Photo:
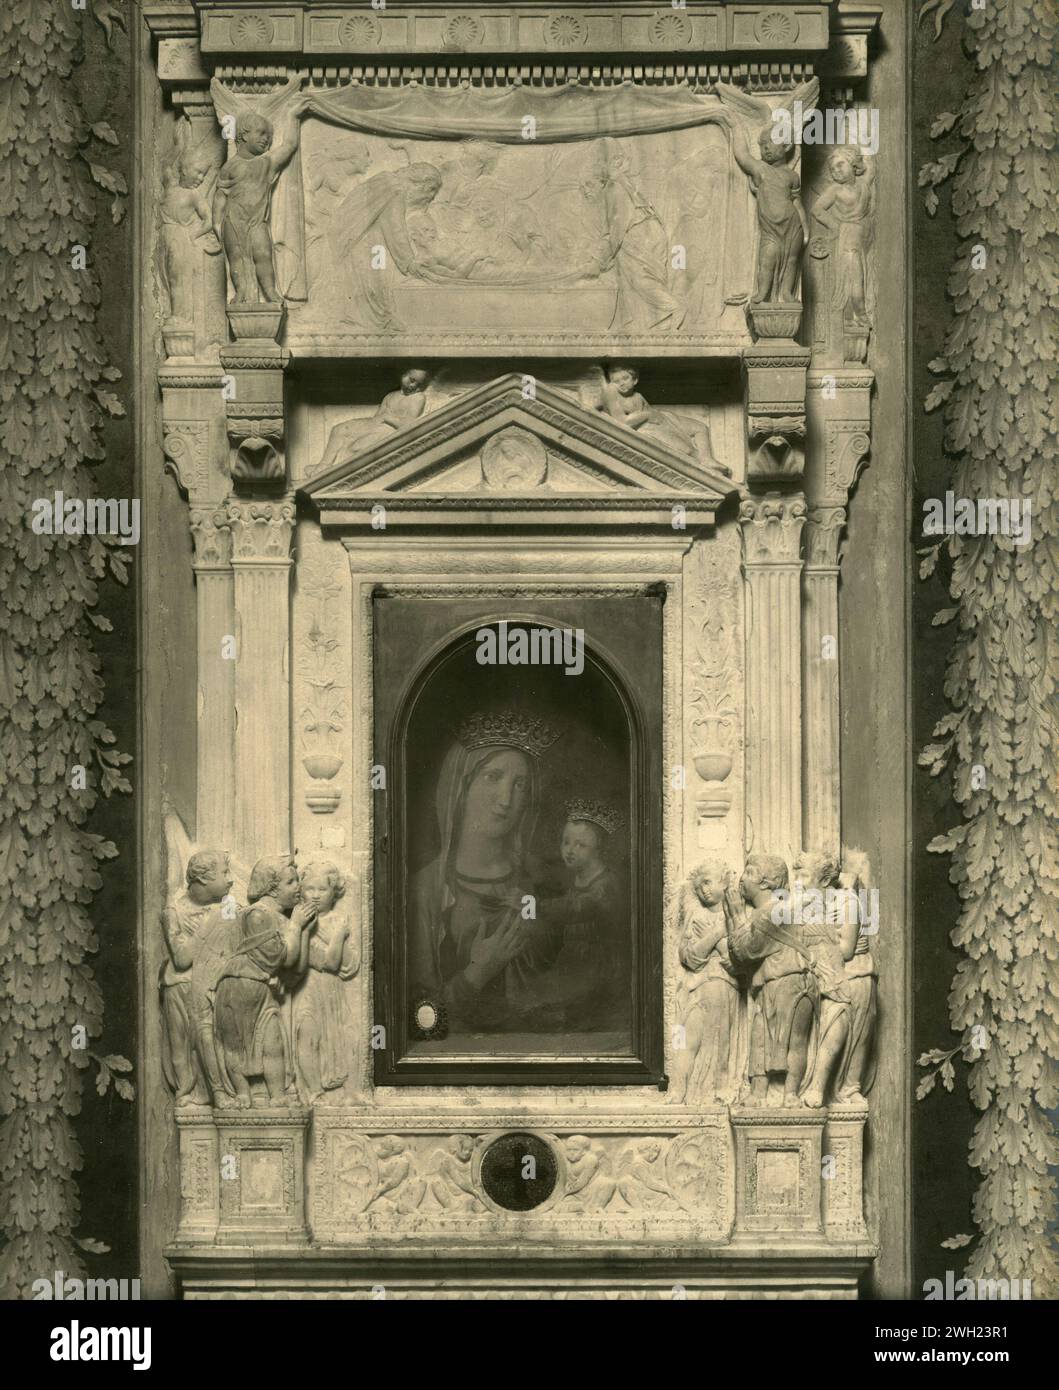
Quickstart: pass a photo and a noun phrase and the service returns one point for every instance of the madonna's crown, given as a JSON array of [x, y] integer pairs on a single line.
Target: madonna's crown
[[597, 812], [508, 729]]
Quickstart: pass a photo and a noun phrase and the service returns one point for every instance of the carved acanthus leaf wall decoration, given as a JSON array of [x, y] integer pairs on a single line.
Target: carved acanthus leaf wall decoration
[[1003, 443]]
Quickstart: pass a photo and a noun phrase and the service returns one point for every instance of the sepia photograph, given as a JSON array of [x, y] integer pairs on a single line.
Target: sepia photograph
[[528, 716]]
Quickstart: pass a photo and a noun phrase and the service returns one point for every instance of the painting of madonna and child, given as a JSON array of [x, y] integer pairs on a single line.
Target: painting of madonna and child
[[521, 905]]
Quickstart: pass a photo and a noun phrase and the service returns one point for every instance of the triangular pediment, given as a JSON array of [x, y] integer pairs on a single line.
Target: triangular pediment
[[534, 457]]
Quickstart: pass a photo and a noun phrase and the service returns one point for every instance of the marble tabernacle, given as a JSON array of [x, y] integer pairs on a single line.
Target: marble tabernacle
[[517, 922]]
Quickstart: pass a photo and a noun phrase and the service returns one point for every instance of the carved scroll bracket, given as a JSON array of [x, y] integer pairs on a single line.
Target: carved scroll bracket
[[839, 412], [193, 445], [775, 377]]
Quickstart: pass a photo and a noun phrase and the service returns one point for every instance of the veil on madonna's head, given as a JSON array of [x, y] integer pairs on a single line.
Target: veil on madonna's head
[[458, 770], [432, 891]]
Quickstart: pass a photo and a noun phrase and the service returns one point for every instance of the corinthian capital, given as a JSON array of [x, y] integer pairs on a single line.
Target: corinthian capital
[[772, 529], [823, 534], [212, 538], [262, 531]]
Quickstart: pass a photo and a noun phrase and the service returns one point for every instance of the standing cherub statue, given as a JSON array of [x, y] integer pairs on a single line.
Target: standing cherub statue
[[242, 199], [783, 227]]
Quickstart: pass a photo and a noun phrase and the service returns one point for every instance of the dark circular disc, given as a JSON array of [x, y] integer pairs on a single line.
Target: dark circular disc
[[519, 1171]]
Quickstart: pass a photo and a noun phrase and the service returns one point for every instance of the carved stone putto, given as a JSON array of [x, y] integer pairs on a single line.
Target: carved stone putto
[[843, 225], [397, 411], [783, 228], [242, 199]]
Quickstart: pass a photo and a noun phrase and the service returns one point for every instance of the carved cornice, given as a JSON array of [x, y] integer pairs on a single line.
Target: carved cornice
[[293, 1117], [772, 529], [261, 531], [767, 1118], [257, 27], [841, 379], [509, 556]]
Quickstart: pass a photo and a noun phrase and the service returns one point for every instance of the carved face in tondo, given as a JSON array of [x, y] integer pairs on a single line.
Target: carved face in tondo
[[497, 796]]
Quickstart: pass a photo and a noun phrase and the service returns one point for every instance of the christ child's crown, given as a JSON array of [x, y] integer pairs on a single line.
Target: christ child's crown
[[597, 812], [508, 729]]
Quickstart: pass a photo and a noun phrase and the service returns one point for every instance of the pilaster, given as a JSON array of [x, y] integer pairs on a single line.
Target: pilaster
[[261, 538], [211, 536], [772, 527]]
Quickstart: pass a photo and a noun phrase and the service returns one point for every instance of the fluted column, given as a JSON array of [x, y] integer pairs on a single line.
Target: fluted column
[[820, 680], [772, 566], [261, 538], [215, 799]]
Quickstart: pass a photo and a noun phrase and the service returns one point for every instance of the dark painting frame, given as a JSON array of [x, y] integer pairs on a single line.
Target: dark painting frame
[[413, 635]]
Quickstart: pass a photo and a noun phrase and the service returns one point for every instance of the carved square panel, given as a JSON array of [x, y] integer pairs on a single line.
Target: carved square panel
[[251, 31], [777, 27], [776, 1180]]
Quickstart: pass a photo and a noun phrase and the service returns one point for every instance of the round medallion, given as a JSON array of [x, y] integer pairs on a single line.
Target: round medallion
[[359, 31], [519, 1172], [464, 31], [252, 30], [514, 460], [565, 31], [670, 30], [776, 27], [429, 1019]]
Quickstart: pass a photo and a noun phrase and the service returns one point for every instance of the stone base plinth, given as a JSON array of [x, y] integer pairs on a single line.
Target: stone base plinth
[[653, 1273], [261, 1160], [778, 1156], [199, 1173]]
